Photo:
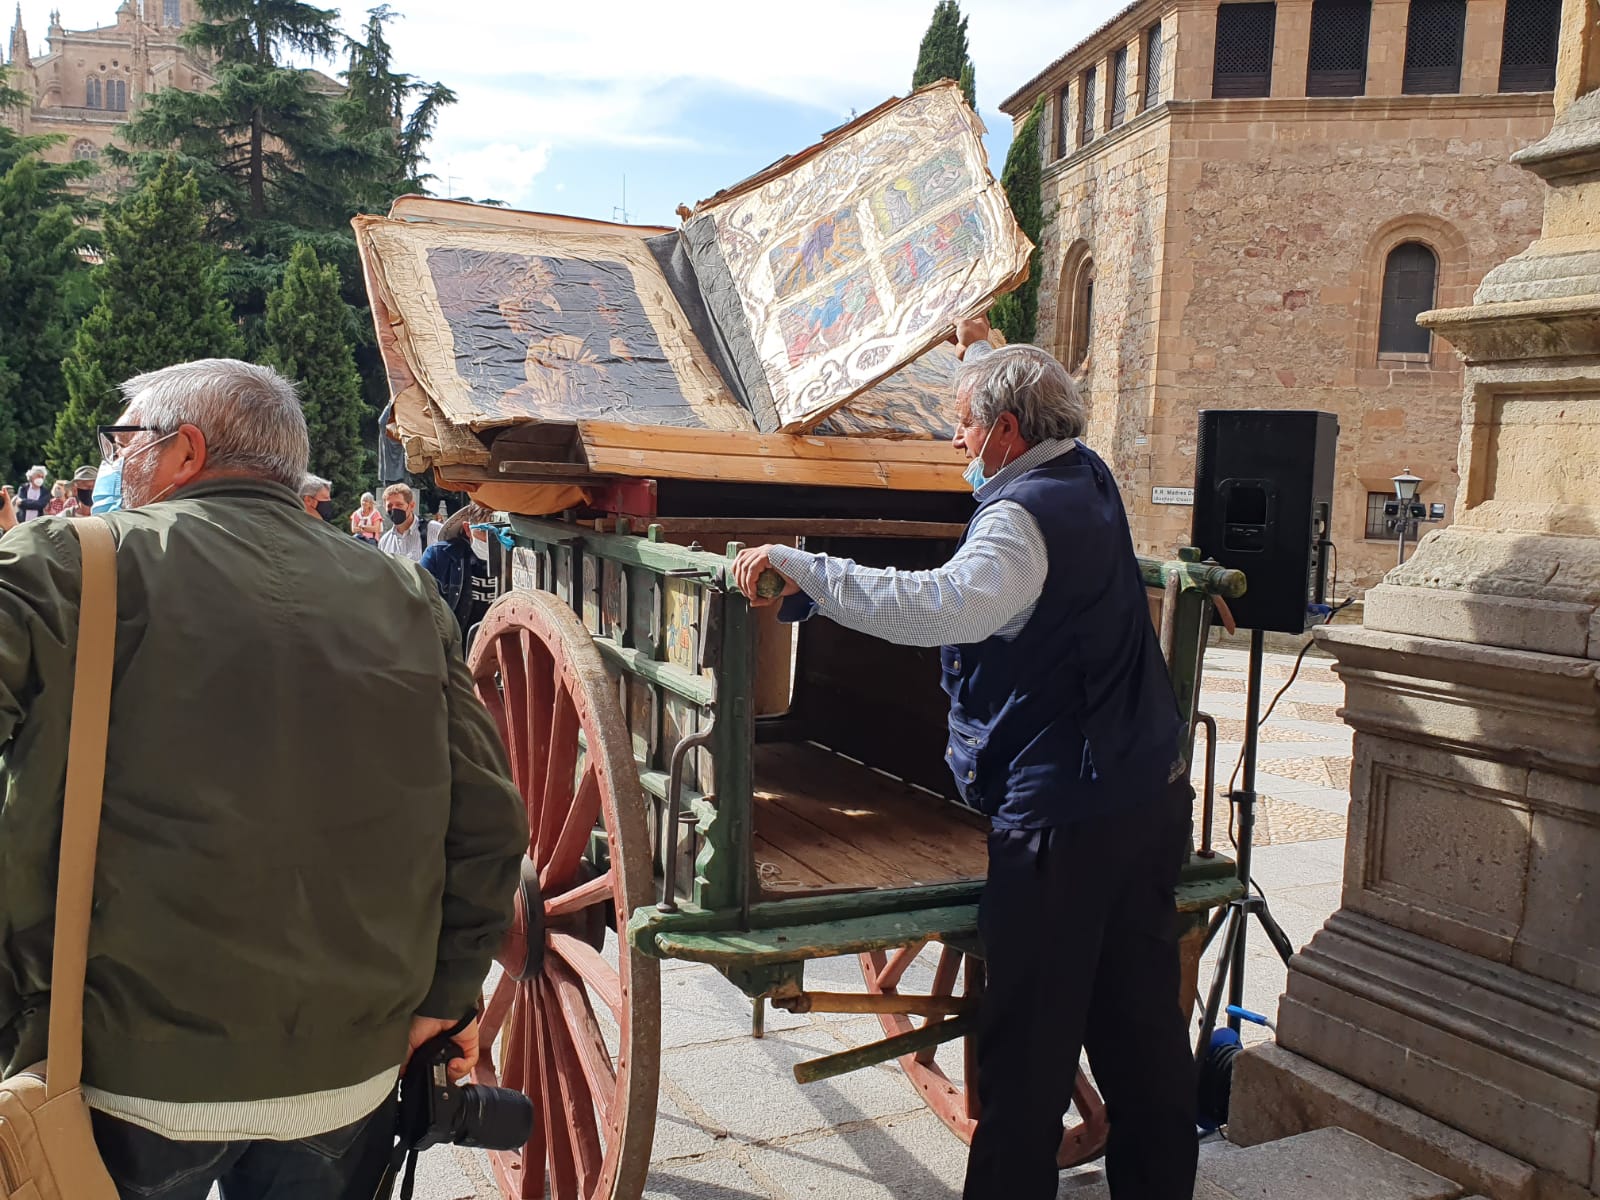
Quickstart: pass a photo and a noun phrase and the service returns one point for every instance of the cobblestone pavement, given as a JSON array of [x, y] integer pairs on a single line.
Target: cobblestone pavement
[[733, 1122]]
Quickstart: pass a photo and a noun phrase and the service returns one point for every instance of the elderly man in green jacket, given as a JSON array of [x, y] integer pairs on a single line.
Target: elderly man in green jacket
[[309, 843]]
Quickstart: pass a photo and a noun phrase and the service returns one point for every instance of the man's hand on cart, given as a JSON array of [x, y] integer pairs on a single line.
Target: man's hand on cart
[[748, 570], [967, 331]]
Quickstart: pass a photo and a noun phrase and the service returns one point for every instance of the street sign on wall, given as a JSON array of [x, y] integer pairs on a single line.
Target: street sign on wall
[[1172, 495]]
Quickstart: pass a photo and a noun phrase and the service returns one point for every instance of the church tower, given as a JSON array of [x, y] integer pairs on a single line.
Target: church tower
[[19, 41]]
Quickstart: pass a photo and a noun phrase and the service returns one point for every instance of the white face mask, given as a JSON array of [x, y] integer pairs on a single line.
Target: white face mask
[[481, 549]]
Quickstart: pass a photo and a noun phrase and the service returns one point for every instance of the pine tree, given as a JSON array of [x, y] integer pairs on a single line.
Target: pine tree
[[944, 52], [306, 341], [159, 303], [1016, 314], [378, 98]]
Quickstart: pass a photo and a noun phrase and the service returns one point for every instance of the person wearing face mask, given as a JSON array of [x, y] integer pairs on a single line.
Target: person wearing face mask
[[1064, 732], [405, 535], [459, 564], [82, 499], [33, 497], [316, 497], [280, 914]]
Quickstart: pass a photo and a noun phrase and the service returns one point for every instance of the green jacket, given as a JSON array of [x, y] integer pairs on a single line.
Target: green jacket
[[308, 835]]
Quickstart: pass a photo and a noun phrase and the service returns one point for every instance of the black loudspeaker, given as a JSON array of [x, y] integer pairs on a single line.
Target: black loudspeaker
[[1263, 503]]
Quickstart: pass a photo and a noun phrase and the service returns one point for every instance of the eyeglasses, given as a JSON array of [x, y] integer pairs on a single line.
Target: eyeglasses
[[113, 439]]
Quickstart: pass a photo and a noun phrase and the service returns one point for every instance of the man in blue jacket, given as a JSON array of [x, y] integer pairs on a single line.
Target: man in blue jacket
[[1065, 733]]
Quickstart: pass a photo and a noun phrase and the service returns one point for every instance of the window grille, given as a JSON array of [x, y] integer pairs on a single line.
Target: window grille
[[1243, 66], [84, 150], [91, 94], [1337, 65], [1063, 121], [171, 14], [1152, 66], [1119, 87], [1086, 130], [1408, 282], [1434, 31], [117, 95], [1528, 51], [1081, 328], [1377, 523]]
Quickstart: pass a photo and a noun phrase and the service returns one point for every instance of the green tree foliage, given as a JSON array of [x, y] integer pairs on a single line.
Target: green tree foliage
[[159, 303], [40, 268], [306, 341], [382, 100], [1016, 314], [944, 52]]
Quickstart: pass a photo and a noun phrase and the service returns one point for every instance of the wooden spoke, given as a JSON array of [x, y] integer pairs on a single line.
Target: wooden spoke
[[568, 846], [542, 679], [956, 1104], [889, 977], [591, 968], [598, 889], [494, 1013]]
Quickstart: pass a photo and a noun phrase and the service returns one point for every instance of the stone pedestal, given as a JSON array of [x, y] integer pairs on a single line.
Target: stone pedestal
[[1450, 1010]]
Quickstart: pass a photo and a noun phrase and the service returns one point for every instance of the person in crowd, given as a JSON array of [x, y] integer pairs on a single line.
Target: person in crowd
[[459, 563], [33, 497], [1064, 731], [316, 497], [58, 499], [367, 522], [82, 491], [280, 916], [405, 535]]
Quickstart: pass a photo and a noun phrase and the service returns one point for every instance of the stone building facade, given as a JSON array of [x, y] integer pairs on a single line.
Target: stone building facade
[[88, 81], [1246, 205]]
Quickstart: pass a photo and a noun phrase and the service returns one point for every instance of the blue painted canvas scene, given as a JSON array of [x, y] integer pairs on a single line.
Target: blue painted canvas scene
[[831, 244]]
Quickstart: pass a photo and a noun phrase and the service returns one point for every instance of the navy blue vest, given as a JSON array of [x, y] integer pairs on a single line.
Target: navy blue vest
[[1075, 716]]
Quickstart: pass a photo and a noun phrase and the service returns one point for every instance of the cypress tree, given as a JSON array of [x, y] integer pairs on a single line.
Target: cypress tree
[[306, 341], [159, 303], [944, 52], [1016, 314]]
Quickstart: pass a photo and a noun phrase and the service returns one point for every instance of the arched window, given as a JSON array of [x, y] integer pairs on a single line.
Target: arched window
[[1410, 274], [1076, 306], [85, 150], [117, 95], [91, 93]]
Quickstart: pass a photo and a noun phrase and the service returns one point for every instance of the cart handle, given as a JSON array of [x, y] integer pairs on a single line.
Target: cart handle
[[669, 885]]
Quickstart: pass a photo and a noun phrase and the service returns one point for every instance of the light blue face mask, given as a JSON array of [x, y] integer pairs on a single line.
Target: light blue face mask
[[107, 497], [976, 474]]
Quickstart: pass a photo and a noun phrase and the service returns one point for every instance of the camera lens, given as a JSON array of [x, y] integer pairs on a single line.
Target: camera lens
[[492, 1118]]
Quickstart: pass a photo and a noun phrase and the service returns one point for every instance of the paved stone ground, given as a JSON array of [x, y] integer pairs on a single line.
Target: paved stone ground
[[734, 1124]]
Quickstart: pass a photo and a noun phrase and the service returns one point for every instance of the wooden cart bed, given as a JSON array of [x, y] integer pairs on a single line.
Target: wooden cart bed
[[826, 823]]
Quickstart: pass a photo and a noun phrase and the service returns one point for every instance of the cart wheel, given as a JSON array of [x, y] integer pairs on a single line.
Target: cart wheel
[[542, 680], [1082, 1138]]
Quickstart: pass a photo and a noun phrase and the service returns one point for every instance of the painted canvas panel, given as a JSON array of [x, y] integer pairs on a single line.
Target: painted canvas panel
[[937, 242], [830, 318], [831, 244], [919, 191], [948, 244]]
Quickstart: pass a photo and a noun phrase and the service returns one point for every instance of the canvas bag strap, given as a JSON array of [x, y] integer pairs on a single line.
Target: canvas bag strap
[[80, 820]]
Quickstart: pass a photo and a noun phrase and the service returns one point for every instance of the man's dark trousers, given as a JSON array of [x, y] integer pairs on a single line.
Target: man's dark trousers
[[344, 1164], [1080, 935]]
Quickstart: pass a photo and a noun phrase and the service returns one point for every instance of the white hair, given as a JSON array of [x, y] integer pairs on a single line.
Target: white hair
[[312, 484], [1028, 382], [369, 496], [250, 415]]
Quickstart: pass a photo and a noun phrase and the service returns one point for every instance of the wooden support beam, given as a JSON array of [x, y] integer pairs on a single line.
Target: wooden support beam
[[863, 1002], [874, 1053]]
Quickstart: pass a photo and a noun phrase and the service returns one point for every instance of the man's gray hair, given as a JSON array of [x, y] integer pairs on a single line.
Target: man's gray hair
[[312, 484], [1028, 382], [250, 415]]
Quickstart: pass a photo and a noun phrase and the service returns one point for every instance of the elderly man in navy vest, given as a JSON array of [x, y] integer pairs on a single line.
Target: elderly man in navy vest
[[1065, 732]]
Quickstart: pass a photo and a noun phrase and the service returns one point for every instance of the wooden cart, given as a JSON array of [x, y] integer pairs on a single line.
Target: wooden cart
[[705, 784]]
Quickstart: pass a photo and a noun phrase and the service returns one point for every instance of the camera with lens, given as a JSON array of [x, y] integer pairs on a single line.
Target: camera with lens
[[434, 1110]]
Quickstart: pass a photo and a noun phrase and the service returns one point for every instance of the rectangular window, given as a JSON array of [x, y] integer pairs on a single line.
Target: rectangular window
[[1377, 523], [1528, 50], [1063, 121], [1337, 65], [171, 16], [1434, 31], [1086, 130], [1243, 65], [1119, 87], [1152, 66]]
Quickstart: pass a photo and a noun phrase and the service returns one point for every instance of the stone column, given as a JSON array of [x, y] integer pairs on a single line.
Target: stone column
[[1450, 1010]]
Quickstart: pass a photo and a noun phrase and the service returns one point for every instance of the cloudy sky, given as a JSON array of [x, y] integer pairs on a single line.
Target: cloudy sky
[[560, 101]]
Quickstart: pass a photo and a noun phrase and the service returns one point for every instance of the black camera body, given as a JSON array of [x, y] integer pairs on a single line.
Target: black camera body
[[435, 1110]]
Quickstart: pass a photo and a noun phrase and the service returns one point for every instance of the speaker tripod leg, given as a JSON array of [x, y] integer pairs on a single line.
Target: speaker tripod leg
[[1275, 934], [1219, 978]]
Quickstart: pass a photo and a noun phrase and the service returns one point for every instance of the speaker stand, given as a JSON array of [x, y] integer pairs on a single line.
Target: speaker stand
[[1234, 920]]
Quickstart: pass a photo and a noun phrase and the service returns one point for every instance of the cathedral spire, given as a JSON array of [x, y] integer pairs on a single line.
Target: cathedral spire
[[19, 41]]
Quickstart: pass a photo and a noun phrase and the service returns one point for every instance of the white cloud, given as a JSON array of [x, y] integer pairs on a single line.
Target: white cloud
[[500, 171]]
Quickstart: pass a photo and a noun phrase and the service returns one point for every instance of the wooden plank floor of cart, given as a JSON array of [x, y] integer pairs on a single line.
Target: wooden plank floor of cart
[[825, 823]]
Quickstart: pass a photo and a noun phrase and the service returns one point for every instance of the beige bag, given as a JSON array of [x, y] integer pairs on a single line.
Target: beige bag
[[47, 1149]]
